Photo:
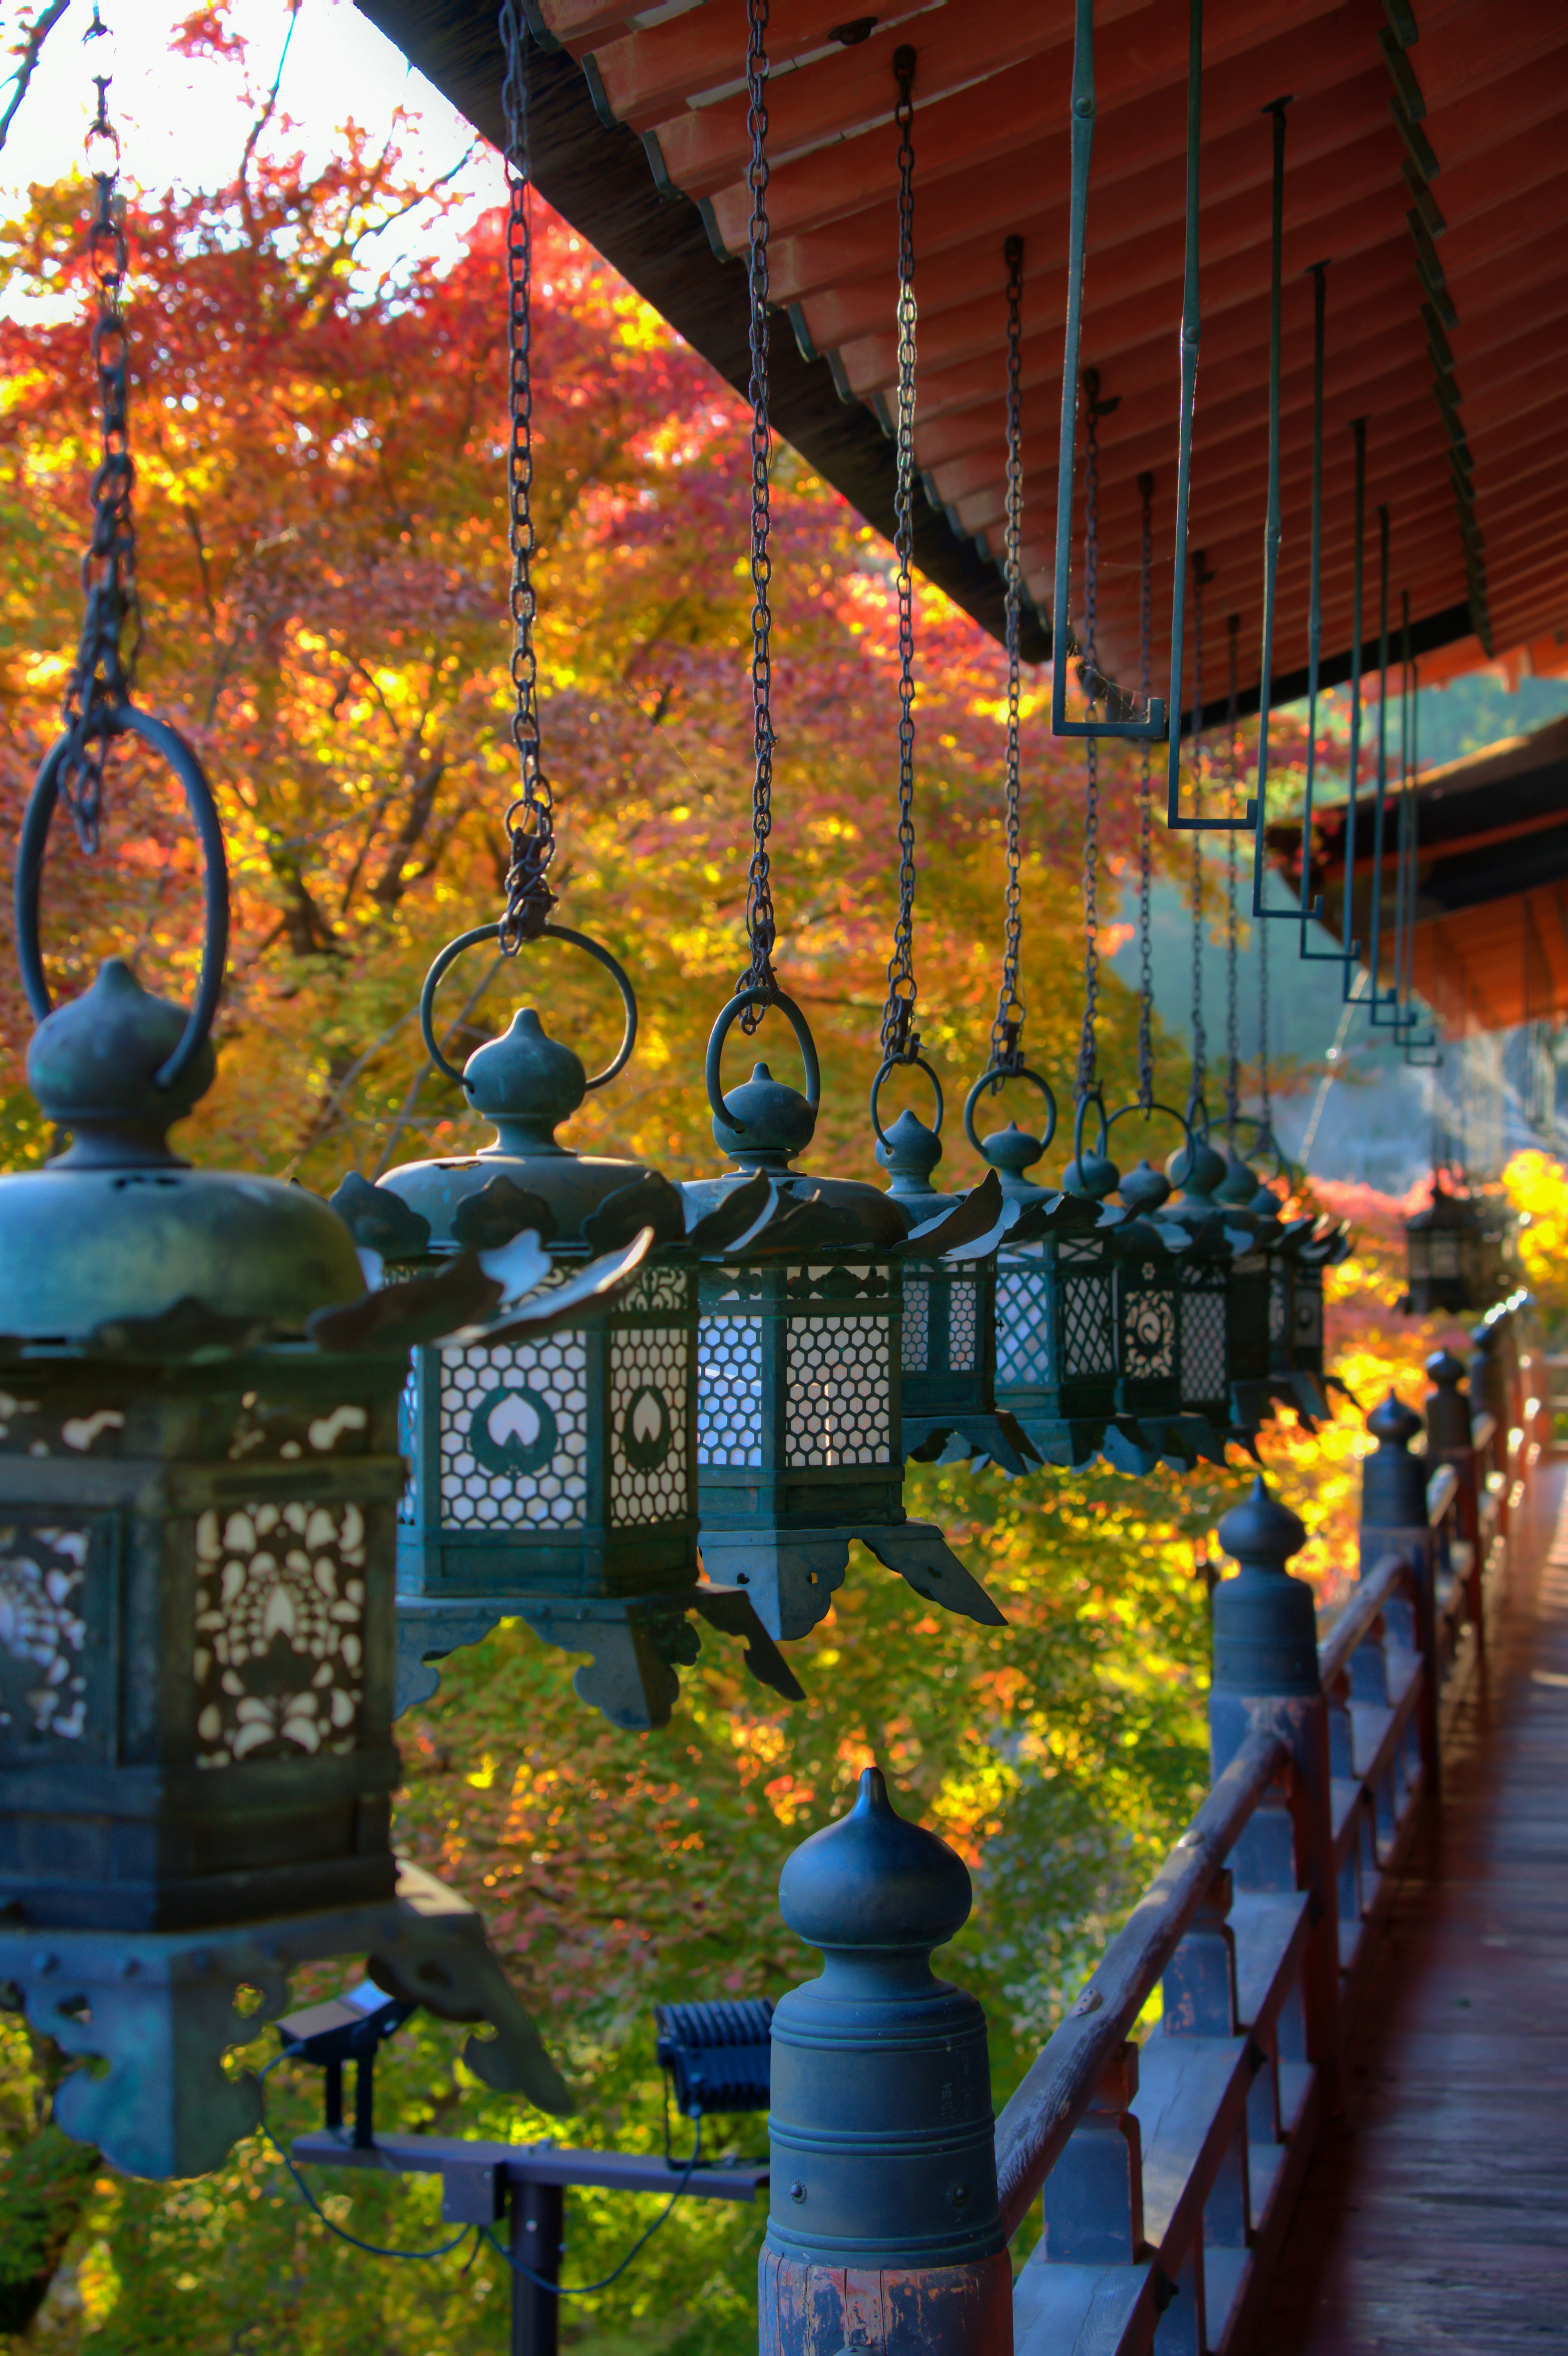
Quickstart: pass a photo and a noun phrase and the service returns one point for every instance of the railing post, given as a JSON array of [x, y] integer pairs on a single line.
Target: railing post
[[883, 2229], [1395, 1521], [1265, 1676], [1489, 1396], [1450, 1440]]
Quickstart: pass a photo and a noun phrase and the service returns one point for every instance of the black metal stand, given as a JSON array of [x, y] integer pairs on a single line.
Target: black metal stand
[[482, 2182], [539, 2216]]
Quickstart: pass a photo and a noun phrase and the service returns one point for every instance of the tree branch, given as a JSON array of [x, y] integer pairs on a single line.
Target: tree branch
[[30, 51]]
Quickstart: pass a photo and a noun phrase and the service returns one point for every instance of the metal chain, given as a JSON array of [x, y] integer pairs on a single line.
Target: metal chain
[[900, 1042], [1006, 1030], [1265, 1101], [531, 824], [105, 672], [761, 930], [1201, 577], [1145, 809], [1232, 930], [1089, 674]]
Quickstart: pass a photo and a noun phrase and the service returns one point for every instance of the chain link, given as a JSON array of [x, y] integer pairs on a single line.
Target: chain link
[[1146, 810], [1006, 1030], [530, 822], [761, 930], [1201, 577], [103, 673], [1233, 927], [900, 1041], [1089, 674]]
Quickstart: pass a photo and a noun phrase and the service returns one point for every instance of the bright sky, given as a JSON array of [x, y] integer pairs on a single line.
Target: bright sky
[[184, 123]]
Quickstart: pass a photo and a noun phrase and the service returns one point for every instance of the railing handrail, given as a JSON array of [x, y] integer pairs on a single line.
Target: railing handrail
[[1061, 2083], [1441, 1491], [1368, 1601]]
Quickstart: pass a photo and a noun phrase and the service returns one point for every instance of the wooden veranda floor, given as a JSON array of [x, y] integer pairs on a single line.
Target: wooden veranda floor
[[1435, 2217]]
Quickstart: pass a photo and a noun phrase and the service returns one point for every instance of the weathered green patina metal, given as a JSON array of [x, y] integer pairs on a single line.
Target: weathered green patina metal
[[800, 1442], [553, 1475], [198, 1482], [881, 2132], [949, 1347], [1446, 1253]]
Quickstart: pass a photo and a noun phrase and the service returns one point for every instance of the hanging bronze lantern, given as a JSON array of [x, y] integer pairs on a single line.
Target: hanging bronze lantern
[[1446, 1253], [949, 1327], [553, 1474], [800, 1431], [1056, 1364], [1155, 1422]]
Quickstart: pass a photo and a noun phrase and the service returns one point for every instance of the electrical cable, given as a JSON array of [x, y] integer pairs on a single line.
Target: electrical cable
[[371, 2249], [583, 2290]]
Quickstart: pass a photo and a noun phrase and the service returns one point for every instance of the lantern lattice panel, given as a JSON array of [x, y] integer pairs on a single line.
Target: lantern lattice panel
[[1088, 1335], [963, 1322], [514, 1443], [1023, 1345], [839, 1387], [1279, 1304], [1306, 1307], [916, 1344], [1203, 1337], [647, 1424], [279, 1650], [730, 1391]]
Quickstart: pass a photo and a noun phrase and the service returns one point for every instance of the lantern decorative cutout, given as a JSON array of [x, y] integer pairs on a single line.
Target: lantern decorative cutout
[[553, 1471], [1306, 1249], [949, 1349], [1446, 1253], [198, 1478], [800, 1441], [1056, 1361]]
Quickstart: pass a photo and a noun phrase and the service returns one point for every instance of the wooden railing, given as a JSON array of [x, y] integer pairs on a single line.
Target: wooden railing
[[1167, 2170]]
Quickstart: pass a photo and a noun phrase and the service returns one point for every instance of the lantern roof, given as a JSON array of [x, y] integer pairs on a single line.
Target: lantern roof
[[1424, 166]]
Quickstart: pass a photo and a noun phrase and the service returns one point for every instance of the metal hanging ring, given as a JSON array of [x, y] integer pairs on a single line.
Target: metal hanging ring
[[757, 994], [1090, 1097], [1148, 1111], [595, 949], [898, 1063], [1001, 1072], [124, 720]]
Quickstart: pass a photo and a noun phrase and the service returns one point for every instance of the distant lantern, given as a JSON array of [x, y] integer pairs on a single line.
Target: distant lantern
[[800, 1422], [1226, 1361], [1151, 1256], [1056, 1326], [1446, 1253], [198, 1476], [553, 1473], [949, 1349]]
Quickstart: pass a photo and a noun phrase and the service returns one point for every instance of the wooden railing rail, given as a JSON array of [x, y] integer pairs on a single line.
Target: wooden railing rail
[[1391, 1577], [1167, 2170], [1035, 2125]]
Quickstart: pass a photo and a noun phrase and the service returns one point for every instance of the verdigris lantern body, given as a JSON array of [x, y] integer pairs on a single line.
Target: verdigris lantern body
[[1445, 1252], [198, 1478], [1155, 1420], [1225, 1310], [948, 1355], [800, 1429], [195, 1532], [553, 1473], [1056, 1325]]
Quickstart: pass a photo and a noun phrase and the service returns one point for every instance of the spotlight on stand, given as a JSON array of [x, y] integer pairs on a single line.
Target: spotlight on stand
[[716, 2056]]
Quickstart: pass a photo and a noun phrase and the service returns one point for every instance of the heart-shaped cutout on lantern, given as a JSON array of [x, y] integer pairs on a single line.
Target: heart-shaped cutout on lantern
[[514, 1431]]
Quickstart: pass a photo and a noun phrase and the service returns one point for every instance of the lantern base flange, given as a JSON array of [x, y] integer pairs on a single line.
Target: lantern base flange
[[792, 1576], [997, 1436], [158, 2008], [635, 1642]]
